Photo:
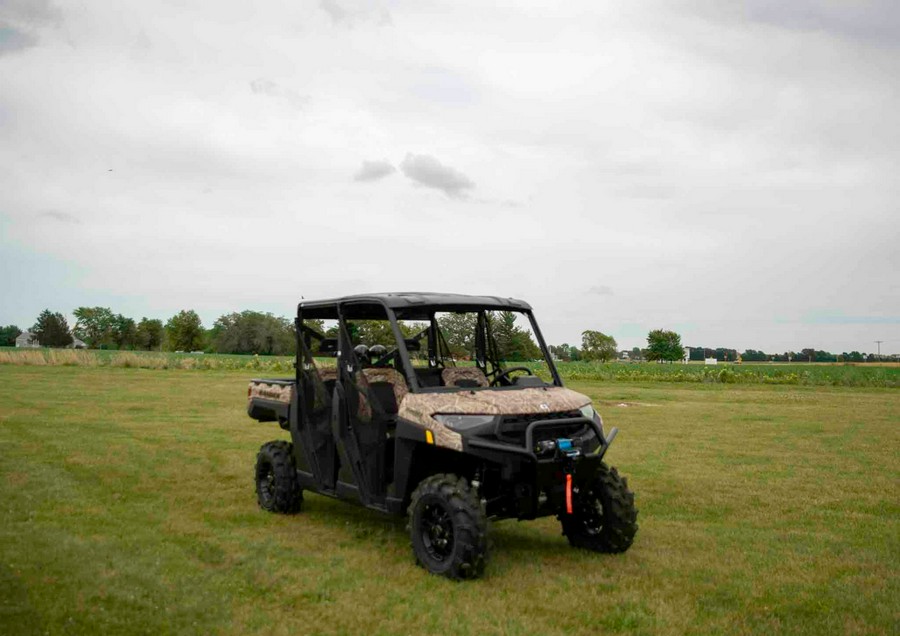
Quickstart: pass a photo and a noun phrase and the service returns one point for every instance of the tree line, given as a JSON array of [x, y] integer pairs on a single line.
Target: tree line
[[662, 346], [254, 332], [665, 346], [101, 328], [809, 354]]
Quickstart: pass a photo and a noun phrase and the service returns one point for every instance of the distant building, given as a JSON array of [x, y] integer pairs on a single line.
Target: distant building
[[27, 340]]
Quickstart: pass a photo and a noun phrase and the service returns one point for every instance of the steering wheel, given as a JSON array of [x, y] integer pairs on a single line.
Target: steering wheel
[[505, 374]]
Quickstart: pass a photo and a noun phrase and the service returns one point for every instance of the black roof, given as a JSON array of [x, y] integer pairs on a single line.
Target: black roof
[[411, 302]]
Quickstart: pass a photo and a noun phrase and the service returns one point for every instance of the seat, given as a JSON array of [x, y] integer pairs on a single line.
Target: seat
[[388, 385], [470, 377]]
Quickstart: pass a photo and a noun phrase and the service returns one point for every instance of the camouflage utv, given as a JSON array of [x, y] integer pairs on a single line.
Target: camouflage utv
[[444, 407]]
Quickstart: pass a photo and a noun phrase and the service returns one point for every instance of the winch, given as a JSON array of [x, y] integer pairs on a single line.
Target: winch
[[563, 445]]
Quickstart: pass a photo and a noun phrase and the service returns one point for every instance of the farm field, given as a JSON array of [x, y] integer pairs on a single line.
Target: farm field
[[128, 508], [825, 374]]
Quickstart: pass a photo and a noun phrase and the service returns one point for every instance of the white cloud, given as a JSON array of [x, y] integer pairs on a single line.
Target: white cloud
[[21, 21], [31, 13], [12, 39], [374, 170], [427, 171]]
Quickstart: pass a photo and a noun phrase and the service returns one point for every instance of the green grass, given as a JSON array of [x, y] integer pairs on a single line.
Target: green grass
[[128, 507], [871, 375]]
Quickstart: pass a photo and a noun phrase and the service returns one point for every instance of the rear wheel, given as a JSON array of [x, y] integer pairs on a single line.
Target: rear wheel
[[277, 489], [603, 518], [448, 527]]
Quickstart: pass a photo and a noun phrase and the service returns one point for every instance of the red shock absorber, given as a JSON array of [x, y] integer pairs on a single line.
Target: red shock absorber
[[568, 493]]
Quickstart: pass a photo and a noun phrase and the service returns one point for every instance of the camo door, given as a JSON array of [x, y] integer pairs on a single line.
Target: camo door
[[361, 428], [316, 390]]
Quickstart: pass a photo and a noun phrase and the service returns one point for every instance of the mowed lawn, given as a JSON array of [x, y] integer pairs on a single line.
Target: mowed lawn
[[128, 507]]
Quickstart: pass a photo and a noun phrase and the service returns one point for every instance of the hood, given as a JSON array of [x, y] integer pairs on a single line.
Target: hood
[[504, 402], [419, 407]]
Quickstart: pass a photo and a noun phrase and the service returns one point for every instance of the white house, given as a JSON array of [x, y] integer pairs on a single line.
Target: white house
[[25, 339]]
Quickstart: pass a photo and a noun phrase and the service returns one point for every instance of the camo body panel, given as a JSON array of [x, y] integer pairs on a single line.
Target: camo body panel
[[452, 375], [421, 407], [277, 392]]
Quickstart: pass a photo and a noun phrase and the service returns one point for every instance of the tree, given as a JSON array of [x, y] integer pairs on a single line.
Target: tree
[[636, 353], [94, 325], [664, 345], [724, 355], [513, 342], [185, 331], [253, 332], [149, 334], [52, 330], [124, 332], [459, 332], [374, 332], [598, 346], [8, 335]]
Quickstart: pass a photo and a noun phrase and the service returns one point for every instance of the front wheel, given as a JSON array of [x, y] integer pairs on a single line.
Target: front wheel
[[448, 527], [277, 489], [603, 518]]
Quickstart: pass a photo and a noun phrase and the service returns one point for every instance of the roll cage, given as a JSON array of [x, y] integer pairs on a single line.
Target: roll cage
[[423, 308]]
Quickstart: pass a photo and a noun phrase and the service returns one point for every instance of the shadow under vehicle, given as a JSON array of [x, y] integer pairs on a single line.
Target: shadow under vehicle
[[446, 408]]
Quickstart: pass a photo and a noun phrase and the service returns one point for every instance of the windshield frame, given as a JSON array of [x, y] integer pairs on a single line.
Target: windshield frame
[[426, 313]]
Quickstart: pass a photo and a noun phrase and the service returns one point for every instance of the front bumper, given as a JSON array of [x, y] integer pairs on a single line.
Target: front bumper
[[533, 432], [534, 484]]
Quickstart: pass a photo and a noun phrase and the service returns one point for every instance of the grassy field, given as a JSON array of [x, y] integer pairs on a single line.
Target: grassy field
[[128, 507], [867, 375]]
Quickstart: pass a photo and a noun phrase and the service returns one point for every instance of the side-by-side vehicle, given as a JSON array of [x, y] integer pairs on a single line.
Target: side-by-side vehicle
[[447, 408]]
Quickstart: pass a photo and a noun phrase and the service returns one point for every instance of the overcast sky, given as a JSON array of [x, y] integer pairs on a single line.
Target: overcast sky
[[728, 170]]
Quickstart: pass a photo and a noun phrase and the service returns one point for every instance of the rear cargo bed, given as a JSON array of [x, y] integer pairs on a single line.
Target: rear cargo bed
[[269, 400]]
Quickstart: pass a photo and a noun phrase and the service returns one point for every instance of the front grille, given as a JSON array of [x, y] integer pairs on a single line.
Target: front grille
[[512, 427]]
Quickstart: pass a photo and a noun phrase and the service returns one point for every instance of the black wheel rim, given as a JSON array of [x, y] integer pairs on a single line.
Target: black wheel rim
[[437, 531], [266, 482], [591, 513]]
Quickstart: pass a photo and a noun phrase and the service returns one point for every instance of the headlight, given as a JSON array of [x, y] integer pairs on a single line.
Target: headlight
[[587, 411], [464, 422]]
